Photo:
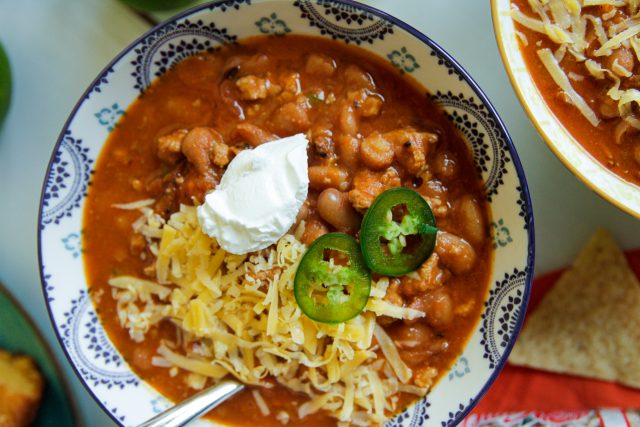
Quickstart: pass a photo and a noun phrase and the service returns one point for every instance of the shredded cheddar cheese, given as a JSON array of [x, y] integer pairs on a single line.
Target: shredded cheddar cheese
[[237, 316]]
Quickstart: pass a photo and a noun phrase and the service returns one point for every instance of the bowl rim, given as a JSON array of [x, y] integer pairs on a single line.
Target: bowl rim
[[530, 261], [499, 34]]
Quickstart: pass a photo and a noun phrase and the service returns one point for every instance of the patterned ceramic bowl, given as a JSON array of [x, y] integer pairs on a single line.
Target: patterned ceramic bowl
[[596, 176], [106, 375]]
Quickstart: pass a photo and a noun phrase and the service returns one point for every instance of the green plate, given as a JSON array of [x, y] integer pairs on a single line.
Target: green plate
[[18, 335]]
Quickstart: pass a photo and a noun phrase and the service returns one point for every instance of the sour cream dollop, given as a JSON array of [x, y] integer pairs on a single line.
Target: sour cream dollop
[[258, 197]]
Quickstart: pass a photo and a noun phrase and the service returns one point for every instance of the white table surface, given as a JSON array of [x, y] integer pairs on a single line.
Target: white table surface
[[57, 47]]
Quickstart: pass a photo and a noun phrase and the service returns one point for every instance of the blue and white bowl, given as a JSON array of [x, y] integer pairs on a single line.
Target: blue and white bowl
[[122, 394]]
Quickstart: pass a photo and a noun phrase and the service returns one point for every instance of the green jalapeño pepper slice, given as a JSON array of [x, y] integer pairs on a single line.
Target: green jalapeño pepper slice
[[332, 283], [398, 232]]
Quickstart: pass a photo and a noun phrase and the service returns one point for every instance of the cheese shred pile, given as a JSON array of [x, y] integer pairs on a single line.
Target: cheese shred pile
[[237, 315], [603, 36]]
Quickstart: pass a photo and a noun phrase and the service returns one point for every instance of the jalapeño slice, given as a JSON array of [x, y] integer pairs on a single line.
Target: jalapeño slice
[[398, 232], [332, 282]]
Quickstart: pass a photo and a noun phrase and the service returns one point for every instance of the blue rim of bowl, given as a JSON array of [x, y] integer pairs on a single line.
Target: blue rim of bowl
[[415, 33]]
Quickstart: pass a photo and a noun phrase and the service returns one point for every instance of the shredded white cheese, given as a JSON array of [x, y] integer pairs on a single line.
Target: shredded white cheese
[[262, 405], [617, 3], [135, 205], [587, 30], [561, 79], [615, 41]]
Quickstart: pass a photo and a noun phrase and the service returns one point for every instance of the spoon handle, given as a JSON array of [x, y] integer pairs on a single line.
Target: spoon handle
[[195, 406]]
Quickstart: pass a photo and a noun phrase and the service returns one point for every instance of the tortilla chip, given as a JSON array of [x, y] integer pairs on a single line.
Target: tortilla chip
[[588, 324], [21, 386]]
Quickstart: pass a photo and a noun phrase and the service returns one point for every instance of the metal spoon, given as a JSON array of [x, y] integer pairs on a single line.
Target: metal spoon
[[195, 406]]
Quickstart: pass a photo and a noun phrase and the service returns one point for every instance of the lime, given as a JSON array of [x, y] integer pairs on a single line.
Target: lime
[[5, 84], [155, 5]]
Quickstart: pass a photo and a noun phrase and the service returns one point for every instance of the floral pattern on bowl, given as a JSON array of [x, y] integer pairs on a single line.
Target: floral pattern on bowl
[[129, 400]]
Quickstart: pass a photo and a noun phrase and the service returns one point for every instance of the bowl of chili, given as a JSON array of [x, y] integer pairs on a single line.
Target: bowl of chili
[[417, 231], [573, 72]]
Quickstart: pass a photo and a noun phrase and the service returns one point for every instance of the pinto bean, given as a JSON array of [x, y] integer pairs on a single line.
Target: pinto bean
[[455, 253], [196, 147], [141, 358], [321, 177], [445, 166], [202, 144], [413, 336], [335, 208], [245, 64], [624, 58], [348, 120], [348, 149], [417, 342], [436, 305], [472, 219], [376, 152], [291, 118], [254, 135], [608, 108], [231, 108]]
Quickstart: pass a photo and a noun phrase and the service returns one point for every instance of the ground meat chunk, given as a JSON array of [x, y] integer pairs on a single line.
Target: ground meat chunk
[[411, 148], [290, 87], [371, 106], [365, 102], [168, 147], [313, 228], [320, 65], [137, 243], [428, 277], [220, 155], [368, 185], [252, 88], [425, 376], [392, 295], [321, 138]]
